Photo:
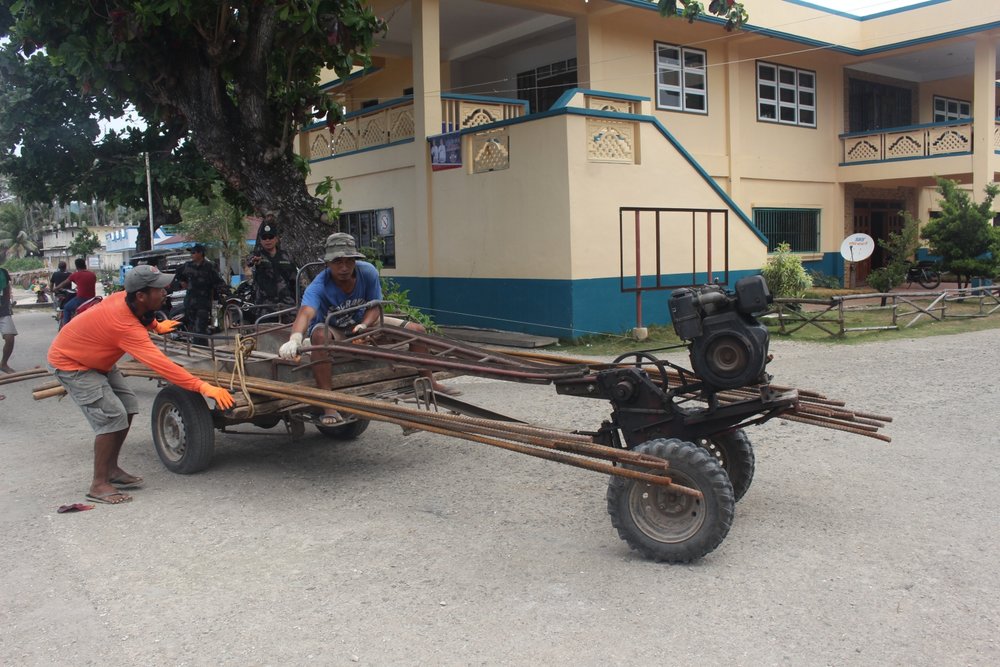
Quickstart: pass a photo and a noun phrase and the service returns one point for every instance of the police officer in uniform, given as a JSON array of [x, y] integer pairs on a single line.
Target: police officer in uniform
[[201, 280], [274, 272]]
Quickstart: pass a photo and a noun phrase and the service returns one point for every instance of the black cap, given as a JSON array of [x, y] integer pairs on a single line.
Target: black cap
[[268, 229], [197, 247]]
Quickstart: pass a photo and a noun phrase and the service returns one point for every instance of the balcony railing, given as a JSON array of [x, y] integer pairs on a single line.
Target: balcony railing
[[907, 143], [393, 122]]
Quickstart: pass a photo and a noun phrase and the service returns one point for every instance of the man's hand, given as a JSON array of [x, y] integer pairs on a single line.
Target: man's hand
[[358, 328], [166, 326], [290, 350], [222, 398]]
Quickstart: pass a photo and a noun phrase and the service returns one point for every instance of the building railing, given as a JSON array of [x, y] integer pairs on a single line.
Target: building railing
[[393, 122], [906, 143]]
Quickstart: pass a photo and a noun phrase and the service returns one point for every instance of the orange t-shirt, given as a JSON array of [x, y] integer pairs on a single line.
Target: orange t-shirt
[[100, 336]]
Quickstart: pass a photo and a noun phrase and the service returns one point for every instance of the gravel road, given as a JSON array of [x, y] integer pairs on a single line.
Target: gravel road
[[416, 550]]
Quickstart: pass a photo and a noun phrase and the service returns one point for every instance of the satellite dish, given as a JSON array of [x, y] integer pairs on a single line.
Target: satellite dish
[[857, 247]]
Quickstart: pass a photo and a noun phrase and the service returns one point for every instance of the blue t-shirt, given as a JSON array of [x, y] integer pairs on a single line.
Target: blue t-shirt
[[324, 296]]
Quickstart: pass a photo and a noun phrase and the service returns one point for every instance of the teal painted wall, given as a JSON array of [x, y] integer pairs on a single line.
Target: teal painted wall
[[560, 308]]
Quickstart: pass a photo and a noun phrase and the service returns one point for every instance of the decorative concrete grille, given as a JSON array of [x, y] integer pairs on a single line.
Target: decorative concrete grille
[[610, 141], [996, 137], [904, 146], [606, 104], [373, 131], [320, 146], [949, 141], [480, 115], [344, 140], [862, 151], [401, 124], [490, 151]]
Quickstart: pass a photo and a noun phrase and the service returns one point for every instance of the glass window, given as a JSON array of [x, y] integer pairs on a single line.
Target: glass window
[[798, 227], [374, 231], [948, 109], [681, 79], [786, 95]]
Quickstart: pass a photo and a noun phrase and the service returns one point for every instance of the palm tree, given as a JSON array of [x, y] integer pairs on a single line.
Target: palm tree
[[16, 236]]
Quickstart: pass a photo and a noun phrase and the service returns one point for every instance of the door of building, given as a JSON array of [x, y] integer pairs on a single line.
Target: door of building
[[878, 218]]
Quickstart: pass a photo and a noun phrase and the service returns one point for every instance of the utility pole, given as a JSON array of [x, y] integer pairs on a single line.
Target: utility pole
[[149, 200]]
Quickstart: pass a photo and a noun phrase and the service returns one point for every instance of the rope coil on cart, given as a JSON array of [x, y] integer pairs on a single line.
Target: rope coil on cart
[[244, 347]]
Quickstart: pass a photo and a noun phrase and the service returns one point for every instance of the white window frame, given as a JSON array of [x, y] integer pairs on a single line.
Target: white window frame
[[949, 108], [787, 97], [688, 77]]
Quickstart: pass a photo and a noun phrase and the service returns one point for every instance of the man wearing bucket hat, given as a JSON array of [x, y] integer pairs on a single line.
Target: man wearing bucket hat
[[83, 357], [346, 283]]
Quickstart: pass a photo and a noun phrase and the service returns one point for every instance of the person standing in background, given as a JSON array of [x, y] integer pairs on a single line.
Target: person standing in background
[[7, 328]]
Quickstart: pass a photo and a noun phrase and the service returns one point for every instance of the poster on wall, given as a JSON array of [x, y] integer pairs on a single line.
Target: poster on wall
[[446, 151]]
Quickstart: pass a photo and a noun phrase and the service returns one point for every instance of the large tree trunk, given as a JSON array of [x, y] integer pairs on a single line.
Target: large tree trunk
[[237, 131]]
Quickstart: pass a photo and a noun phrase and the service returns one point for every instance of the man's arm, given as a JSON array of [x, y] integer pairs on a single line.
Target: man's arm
[[290, 350]]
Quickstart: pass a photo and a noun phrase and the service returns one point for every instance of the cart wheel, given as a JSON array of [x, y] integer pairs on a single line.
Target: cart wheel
[[668, 526], [734, 453], [348, 431], [182, 430]]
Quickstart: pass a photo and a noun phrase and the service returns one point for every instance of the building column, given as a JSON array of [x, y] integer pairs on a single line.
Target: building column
[[984, 157], [734, 117], [426, 116]]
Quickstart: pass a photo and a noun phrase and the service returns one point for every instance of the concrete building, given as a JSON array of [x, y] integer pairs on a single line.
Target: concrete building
[[542, 165]]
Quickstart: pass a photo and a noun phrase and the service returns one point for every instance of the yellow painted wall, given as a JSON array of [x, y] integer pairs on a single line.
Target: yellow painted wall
[[511, 223]]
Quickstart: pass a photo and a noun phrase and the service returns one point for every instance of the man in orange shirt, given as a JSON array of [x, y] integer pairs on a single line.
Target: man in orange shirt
[[83, 356]]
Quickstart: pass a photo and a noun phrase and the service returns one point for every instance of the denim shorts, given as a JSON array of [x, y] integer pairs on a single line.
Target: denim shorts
[[342, 333], [105, 399]]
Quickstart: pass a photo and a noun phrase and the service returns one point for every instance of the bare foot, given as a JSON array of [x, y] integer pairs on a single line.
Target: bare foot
[[107, 494], [7, 369], [331, 418], [447, 391]]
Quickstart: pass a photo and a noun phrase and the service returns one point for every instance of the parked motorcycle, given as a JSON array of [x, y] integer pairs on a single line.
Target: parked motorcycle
[[923, 273]]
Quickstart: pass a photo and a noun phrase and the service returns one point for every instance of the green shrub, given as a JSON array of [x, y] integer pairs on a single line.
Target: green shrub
[[820, 279], [16, 264], [785, 275]]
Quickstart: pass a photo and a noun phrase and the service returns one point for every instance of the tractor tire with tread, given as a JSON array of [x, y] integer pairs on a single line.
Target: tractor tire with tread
[[664, 525], [735, 454]]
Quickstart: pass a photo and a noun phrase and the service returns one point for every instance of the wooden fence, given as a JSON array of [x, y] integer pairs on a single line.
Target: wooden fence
[[904, 309]]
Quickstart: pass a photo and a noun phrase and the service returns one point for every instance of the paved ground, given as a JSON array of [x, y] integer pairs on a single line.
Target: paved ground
[[423, 550]]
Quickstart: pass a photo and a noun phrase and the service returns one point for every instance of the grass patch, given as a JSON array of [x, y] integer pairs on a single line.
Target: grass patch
[[661, 336]]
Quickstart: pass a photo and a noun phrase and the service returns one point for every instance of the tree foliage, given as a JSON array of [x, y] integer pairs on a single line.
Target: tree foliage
[[17, 238], [241, 77], [964, 235], [218, 224], [900, 249], [731, 11], [84, 243]]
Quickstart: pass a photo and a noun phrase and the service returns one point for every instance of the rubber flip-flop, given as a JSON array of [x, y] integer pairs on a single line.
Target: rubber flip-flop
[[124, 484], [331, 420], [106, 498]]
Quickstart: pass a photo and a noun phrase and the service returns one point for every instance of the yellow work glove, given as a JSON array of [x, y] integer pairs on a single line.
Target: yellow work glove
[[166, 326], [223, 399]]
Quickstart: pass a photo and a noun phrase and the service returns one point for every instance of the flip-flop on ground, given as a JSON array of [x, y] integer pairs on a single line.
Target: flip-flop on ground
[[113, 498]]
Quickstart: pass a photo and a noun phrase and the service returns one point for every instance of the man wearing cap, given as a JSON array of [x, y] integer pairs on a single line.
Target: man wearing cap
[[346, 283], [274, 272], [201, 280], [83, 357]]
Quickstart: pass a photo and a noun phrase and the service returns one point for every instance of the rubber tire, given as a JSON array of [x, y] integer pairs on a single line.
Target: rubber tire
[[930, 284], [692, 466], [183, 433], [734, 453], [344, 431]]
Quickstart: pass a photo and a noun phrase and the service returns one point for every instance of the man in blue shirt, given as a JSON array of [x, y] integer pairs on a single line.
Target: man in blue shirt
[[344, 284]]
